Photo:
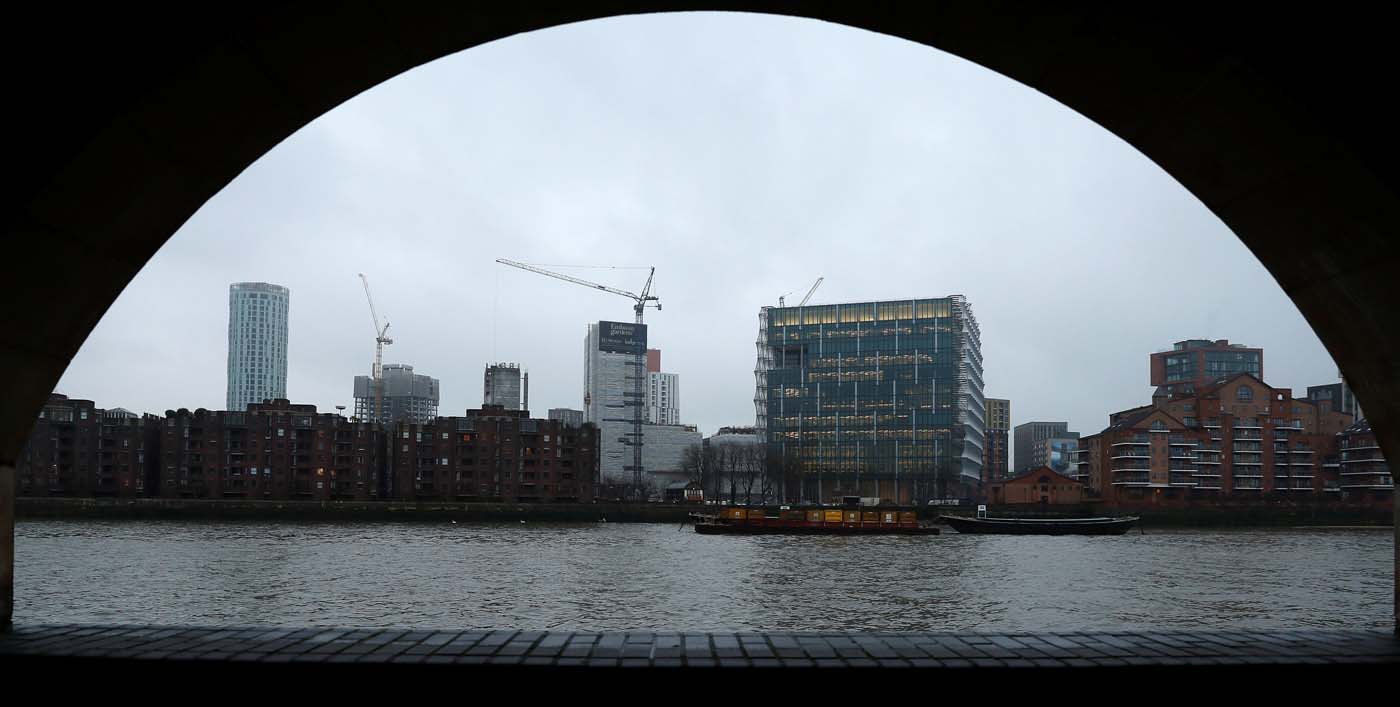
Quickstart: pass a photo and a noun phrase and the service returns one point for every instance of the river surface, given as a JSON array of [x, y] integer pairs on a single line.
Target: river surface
[[621, 576]]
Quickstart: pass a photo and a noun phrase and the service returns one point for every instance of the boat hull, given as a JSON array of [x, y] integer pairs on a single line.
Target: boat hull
[[724, 529], [1019, 526]]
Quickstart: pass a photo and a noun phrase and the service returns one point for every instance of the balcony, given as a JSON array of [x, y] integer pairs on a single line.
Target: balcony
[[1131, 456], [1357, 449], [1138, 441], [1243, 475], [1130, 480]]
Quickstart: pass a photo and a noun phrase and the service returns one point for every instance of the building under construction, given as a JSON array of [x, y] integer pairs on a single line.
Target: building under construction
[[507, 385], [407, 396]]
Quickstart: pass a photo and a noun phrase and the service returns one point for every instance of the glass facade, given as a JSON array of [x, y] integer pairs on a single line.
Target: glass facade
[[874, 399], [257, 343]]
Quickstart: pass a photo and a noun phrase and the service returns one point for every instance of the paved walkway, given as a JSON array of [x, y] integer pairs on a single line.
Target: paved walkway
[[723, 650]]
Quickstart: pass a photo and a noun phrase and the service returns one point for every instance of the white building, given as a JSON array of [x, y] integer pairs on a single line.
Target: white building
[[663, 398], [663, 448], [257, 343]]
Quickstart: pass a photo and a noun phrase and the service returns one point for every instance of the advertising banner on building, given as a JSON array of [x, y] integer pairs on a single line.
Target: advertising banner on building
[[622, 337]]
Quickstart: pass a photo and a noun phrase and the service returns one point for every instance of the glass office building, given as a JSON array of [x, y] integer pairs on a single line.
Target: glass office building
[[872, 399]]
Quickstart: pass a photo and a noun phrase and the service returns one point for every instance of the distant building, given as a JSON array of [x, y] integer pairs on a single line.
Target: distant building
[[506, 385], [275, 451], [568, 416], [407, 396], [614, 358], [1337, 396], [78, 450], [494, 454], [663, 449], [663, 401], [257, 343], [1043, 486], [1195, 363], [1231, 441], [1363, 476], [1055, 453], [873, 399], [997, 451], [1031, 453]]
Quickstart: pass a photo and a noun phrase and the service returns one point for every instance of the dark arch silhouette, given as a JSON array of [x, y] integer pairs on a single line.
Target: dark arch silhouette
[[123, 121]]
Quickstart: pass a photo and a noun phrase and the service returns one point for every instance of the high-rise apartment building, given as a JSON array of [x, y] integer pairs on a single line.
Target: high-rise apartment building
[[1195, 363], [257, 343], [996, 452], [614, 361], [507, 385], [663, 401], [407, 396], [873, 399]]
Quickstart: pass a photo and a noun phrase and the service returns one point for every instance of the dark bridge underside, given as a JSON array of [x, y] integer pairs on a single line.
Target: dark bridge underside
[[124, 120]]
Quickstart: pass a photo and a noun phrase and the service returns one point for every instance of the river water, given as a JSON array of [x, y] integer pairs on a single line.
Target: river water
[[621, 576]]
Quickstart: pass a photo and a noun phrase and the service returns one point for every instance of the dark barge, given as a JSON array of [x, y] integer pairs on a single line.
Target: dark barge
[[1041, 526]]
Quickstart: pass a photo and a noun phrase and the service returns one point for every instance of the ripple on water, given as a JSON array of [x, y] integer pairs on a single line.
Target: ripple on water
[[618, 576]]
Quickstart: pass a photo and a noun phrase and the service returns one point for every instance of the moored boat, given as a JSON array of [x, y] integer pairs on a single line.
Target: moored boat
[[1041, 526], [810, 521]]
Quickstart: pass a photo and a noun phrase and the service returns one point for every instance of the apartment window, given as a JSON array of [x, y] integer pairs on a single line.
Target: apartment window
[[1244, 393]]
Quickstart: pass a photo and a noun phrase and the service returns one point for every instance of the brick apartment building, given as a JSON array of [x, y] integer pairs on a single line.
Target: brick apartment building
[[494, 454], [79, 450], [1235, 440], [275, 450]]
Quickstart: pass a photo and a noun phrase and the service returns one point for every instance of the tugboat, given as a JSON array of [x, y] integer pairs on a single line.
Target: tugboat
[[787, 520], [1039, 526]]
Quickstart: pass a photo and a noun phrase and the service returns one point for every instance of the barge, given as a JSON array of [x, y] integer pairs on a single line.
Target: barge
[[1040, 526], [812, 521]]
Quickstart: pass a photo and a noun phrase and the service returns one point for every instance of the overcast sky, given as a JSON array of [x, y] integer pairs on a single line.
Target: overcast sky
[[743, 156]]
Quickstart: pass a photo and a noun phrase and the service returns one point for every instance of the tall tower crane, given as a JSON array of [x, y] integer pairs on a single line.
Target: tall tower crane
[[641, 302], [380, 339]]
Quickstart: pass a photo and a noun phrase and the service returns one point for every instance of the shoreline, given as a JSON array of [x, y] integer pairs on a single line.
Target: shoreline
[[116, 509]]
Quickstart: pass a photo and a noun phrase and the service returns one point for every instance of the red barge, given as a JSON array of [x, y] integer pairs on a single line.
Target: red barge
[[812, 521]]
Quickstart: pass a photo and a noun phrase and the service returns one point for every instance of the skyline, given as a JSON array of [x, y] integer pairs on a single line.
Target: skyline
[[748, 162]]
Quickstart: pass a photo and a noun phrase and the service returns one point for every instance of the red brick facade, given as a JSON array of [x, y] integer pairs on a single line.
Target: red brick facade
[[1235, 440], [1043, 486]]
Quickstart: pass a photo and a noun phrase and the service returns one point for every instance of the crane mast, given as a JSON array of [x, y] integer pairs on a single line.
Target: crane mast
[[638, 363], [380, 339]]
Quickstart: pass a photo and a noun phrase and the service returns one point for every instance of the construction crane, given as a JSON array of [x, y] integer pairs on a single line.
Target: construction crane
[[642, 301], [782, 299], [380, 339]]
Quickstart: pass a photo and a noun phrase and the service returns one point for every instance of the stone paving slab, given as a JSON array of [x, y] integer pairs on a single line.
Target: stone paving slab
[[690, 649]]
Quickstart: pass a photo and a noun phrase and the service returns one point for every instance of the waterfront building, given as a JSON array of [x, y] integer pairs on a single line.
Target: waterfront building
[[506, 385], [568, 416], [274, 451], [1043, 486], [1363, 476], [614, 360], [996, 451], [1232, 441], [873, 399], [407, 396], [494, 454], [1031, 452], [78, 450], [257, 343], [1194, 363]]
